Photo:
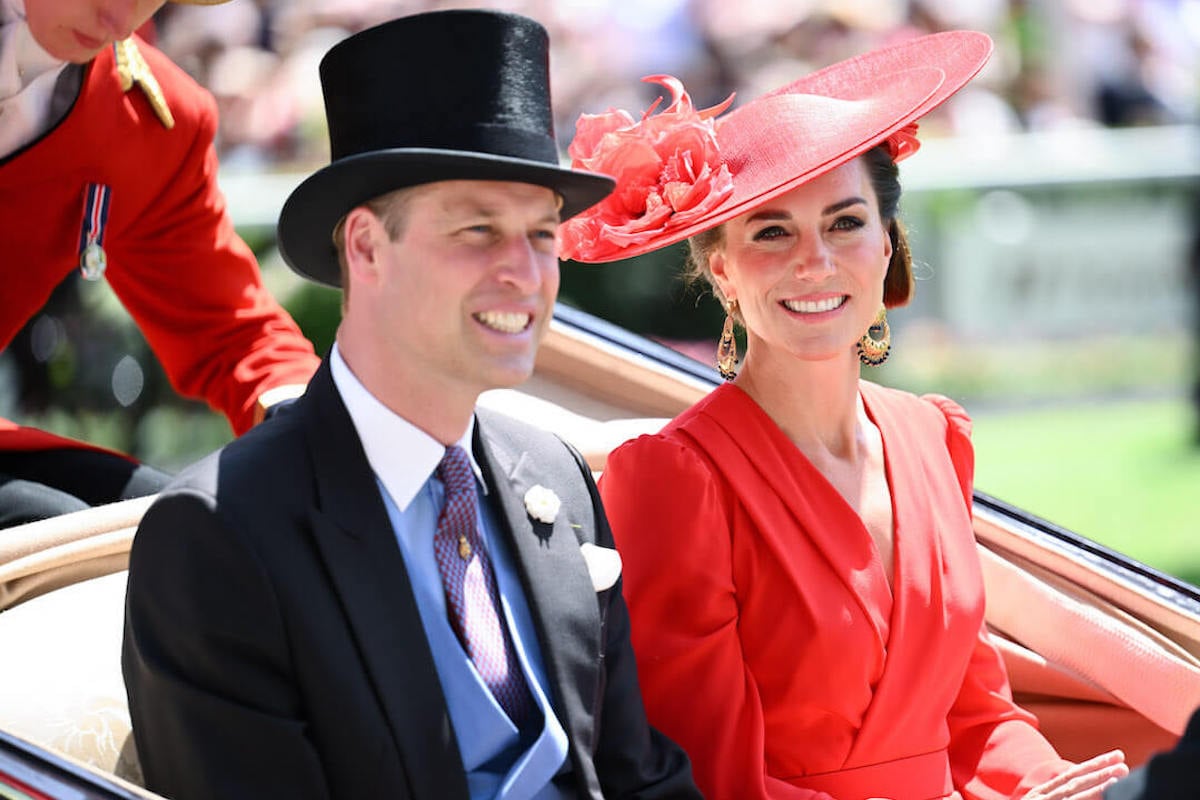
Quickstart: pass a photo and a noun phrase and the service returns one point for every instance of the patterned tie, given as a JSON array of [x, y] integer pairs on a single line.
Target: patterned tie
[[471, 596]]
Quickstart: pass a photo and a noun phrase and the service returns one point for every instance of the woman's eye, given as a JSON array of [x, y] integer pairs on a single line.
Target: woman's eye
[[770, 232], [847, 223]]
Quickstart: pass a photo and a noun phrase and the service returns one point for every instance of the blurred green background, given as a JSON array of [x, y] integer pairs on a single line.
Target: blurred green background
[[1117, 471]]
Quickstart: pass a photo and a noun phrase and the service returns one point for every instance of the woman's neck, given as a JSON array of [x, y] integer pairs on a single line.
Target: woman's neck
[[816, 403]]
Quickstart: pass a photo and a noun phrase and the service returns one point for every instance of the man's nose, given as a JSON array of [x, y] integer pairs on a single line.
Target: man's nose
[[522, 264]]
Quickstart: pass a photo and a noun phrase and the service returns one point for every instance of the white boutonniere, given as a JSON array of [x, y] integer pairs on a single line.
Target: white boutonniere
[[542, 504]]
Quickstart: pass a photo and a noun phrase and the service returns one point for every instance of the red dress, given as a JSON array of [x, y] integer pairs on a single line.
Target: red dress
[[174, 260], [769, 643]]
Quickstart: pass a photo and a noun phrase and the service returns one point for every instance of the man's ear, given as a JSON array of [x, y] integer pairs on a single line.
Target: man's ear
[[363, 235]]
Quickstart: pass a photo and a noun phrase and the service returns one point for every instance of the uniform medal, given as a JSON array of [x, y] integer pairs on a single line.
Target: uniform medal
[[92, 258]]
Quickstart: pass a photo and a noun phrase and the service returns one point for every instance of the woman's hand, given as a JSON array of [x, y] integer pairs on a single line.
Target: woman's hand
[[1086, 781]]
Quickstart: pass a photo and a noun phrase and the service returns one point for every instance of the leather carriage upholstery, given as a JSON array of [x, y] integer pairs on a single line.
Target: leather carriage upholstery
[[62, 601]]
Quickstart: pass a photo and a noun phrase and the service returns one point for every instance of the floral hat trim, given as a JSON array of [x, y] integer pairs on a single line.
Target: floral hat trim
[[685, 170], [669, 171], [668, 168]]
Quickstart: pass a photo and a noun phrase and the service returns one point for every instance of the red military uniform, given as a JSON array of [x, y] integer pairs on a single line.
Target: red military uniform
[[172, 256]]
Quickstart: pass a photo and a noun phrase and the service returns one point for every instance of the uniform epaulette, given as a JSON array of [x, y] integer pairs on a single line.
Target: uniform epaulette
[[132, 68]]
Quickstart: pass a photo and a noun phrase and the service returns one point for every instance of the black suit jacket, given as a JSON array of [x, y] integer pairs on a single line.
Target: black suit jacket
[[273, 646]]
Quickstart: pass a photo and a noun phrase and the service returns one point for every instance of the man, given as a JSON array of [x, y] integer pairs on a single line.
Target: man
[[385, 592], [107, 166]]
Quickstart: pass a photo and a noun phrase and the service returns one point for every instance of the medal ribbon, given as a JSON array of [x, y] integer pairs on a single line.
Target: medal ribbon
[[91, 237]]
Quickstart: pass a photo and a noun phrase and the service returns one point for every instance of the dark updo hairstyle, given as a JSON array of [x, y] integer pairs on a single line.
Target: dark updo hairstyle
[[885, 179]]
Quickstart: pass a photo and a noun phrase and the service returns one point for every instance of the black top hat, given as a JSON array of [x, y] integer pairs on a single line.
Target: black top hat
[[446, 95]]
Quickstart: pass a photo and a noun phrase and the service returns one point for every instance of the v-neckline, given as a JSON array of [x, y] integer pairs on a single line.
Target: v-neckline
[[865, 594], [889, 582]]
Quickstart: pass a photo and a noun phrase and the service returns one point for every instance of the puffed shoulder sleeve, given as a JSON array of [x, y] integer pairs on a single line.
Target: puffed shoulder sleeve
[[671, 516], [670, 526], [958, 442]]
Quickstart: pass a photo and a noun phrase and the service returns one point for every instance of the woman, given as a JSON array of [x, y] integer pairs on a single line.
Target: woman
[[806, 599]]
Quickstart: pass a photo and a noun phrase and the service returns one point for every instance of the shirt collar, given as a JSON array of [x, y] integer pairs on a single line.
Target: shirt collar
[[402, 455]]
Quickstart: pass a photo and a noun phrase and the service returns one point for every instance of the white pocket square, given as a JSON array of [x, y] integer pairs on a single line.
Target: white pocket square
[[603, 563]]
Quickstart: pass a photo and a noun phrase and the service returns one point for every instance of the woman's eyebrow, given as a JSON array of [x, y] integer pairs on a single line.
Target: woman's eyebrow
[[838, 206], [772, 215]]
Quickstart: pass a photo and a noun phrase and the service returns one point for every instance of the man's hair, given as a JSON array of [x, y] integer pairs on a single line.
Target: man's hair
[[389, 208]]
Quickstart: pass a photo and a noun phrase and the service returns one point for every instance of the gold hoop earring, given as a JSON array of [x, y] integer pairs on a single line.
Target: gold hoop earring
[[876, 344], [727, 355]]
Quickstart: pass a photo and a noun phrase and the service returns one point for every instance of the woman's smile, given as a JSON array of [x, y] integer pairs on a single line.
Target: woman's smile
[[813, 306]]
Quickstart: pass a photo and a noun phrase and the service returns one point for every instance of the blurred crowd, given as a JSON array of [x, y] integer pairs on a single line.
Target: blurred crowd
[[1057, 63]]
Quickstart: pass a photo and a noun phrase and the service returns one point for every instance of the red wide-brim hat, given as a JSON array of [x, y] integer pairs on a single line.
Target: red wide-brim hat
[[684, 171]]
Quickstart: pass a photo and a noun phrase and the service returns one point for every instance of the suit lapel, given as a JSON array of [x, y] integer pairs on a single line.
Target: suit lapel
[[553, 573], [355, 538]]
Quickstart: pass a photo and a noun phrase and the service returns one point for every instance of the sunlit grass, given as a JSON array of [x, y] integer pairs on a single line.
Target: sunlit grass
[[1126, 474]]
